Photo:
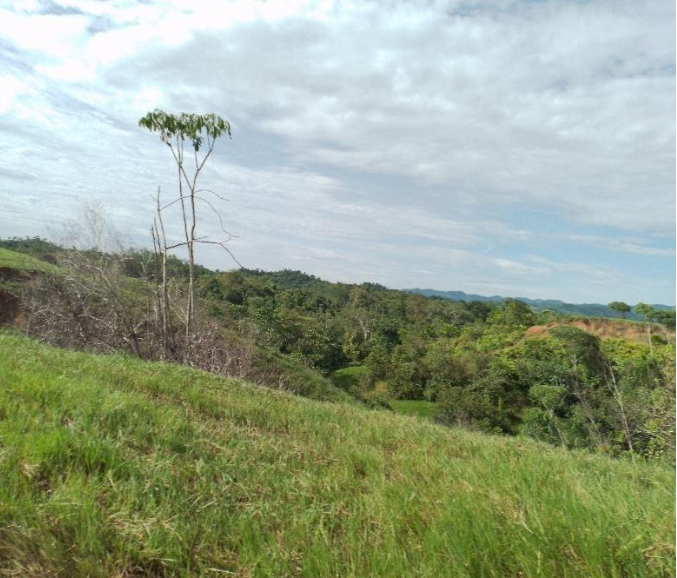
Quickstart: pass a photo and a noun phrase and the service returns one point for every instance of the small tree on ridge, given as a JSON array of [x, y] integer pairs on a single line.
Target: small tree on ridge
[[620, 306]]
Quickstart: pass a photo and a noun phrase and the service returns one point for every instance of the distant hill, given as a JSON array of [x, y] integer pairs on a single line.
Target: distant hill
[[39, 254], [586, 309]]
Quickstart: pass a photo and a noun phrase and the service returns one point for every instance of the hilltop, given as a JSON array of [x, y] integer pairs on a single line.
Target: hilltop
[[112, 466]]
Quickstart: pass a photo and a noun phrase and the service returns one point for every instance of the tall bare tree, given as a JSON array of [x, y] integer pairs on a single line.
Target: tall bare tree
[[201, 132]]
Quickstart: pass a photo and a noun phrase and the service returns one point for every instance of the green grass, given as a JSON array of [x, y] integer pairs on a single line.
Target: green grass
[[110, 466], [23, 263], [348, 378], [417, 407]]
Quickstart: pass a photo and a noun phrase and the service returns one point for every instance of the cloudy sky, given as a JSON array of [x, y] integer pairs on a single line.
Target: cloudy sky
[[523, 148]]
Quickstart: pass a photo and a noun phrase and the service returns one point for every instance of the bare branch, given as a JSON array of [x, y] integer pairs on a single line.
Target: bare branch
[[213, 193], [223, 230], [175, 245], [226, 249]]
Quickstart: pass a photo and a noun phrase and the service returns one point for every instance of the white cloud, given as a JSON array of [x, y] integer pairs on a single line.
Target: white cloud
[[460, 109], [636, 247], [504, 106], [517, 267]]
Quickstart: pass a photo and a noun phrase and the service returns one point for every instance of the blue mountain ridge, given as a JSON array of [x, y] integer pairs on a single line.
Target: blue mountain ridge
[[587, 309]]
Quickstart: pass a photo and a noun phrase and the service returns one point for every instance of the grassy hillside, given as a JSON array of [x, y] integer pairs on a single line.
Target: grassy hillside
[[21, 262], [417, 407], [348, 378], [15, 267], [110, 466]]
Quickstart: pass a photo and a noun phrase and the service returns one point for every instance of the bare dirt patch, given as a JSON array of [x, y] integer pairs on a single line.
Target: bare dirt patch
[[602, 328]]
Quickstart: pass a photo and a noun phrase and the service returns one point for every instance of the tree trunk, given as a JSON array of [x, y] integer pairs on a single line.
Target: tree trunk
[[191, 269], [616, 393], [164, 310]]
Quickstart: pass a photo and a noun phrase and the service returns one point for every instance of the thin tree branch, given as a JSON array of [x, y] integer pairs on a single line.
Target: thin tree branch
[[223, 230], [213, 193], [226, 249]]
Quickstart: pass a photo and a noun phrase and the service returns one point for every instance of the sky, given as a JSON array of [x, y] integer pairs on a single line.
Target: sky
[[520, 148]]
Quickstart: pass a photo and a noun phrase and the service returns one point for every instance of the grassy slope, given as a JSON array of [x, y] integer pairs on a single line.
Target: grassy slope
[[15, 267], [417, 407], [110, 466], [348, 378], [23, 263]]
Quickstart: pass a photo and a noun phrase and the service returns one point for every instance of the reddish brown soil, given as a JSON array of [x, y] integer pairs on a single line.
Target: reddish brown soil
[[602, 328]]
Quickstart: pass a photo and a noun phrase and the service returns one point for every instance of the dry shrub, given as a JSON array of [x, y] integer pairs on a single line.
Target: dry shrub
[[208, 349], [90, 305], [84, 308]]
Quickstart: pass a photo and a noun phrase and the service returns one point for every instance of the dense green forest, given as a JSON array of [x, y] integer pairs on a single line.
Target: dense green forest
[[492, 367]]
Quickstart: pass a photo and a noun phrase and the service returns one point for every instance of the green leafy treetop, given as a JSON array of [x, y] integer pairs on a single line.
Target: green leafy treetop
[[665, 318], [646, 311], [185, 125], [620, 306]]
